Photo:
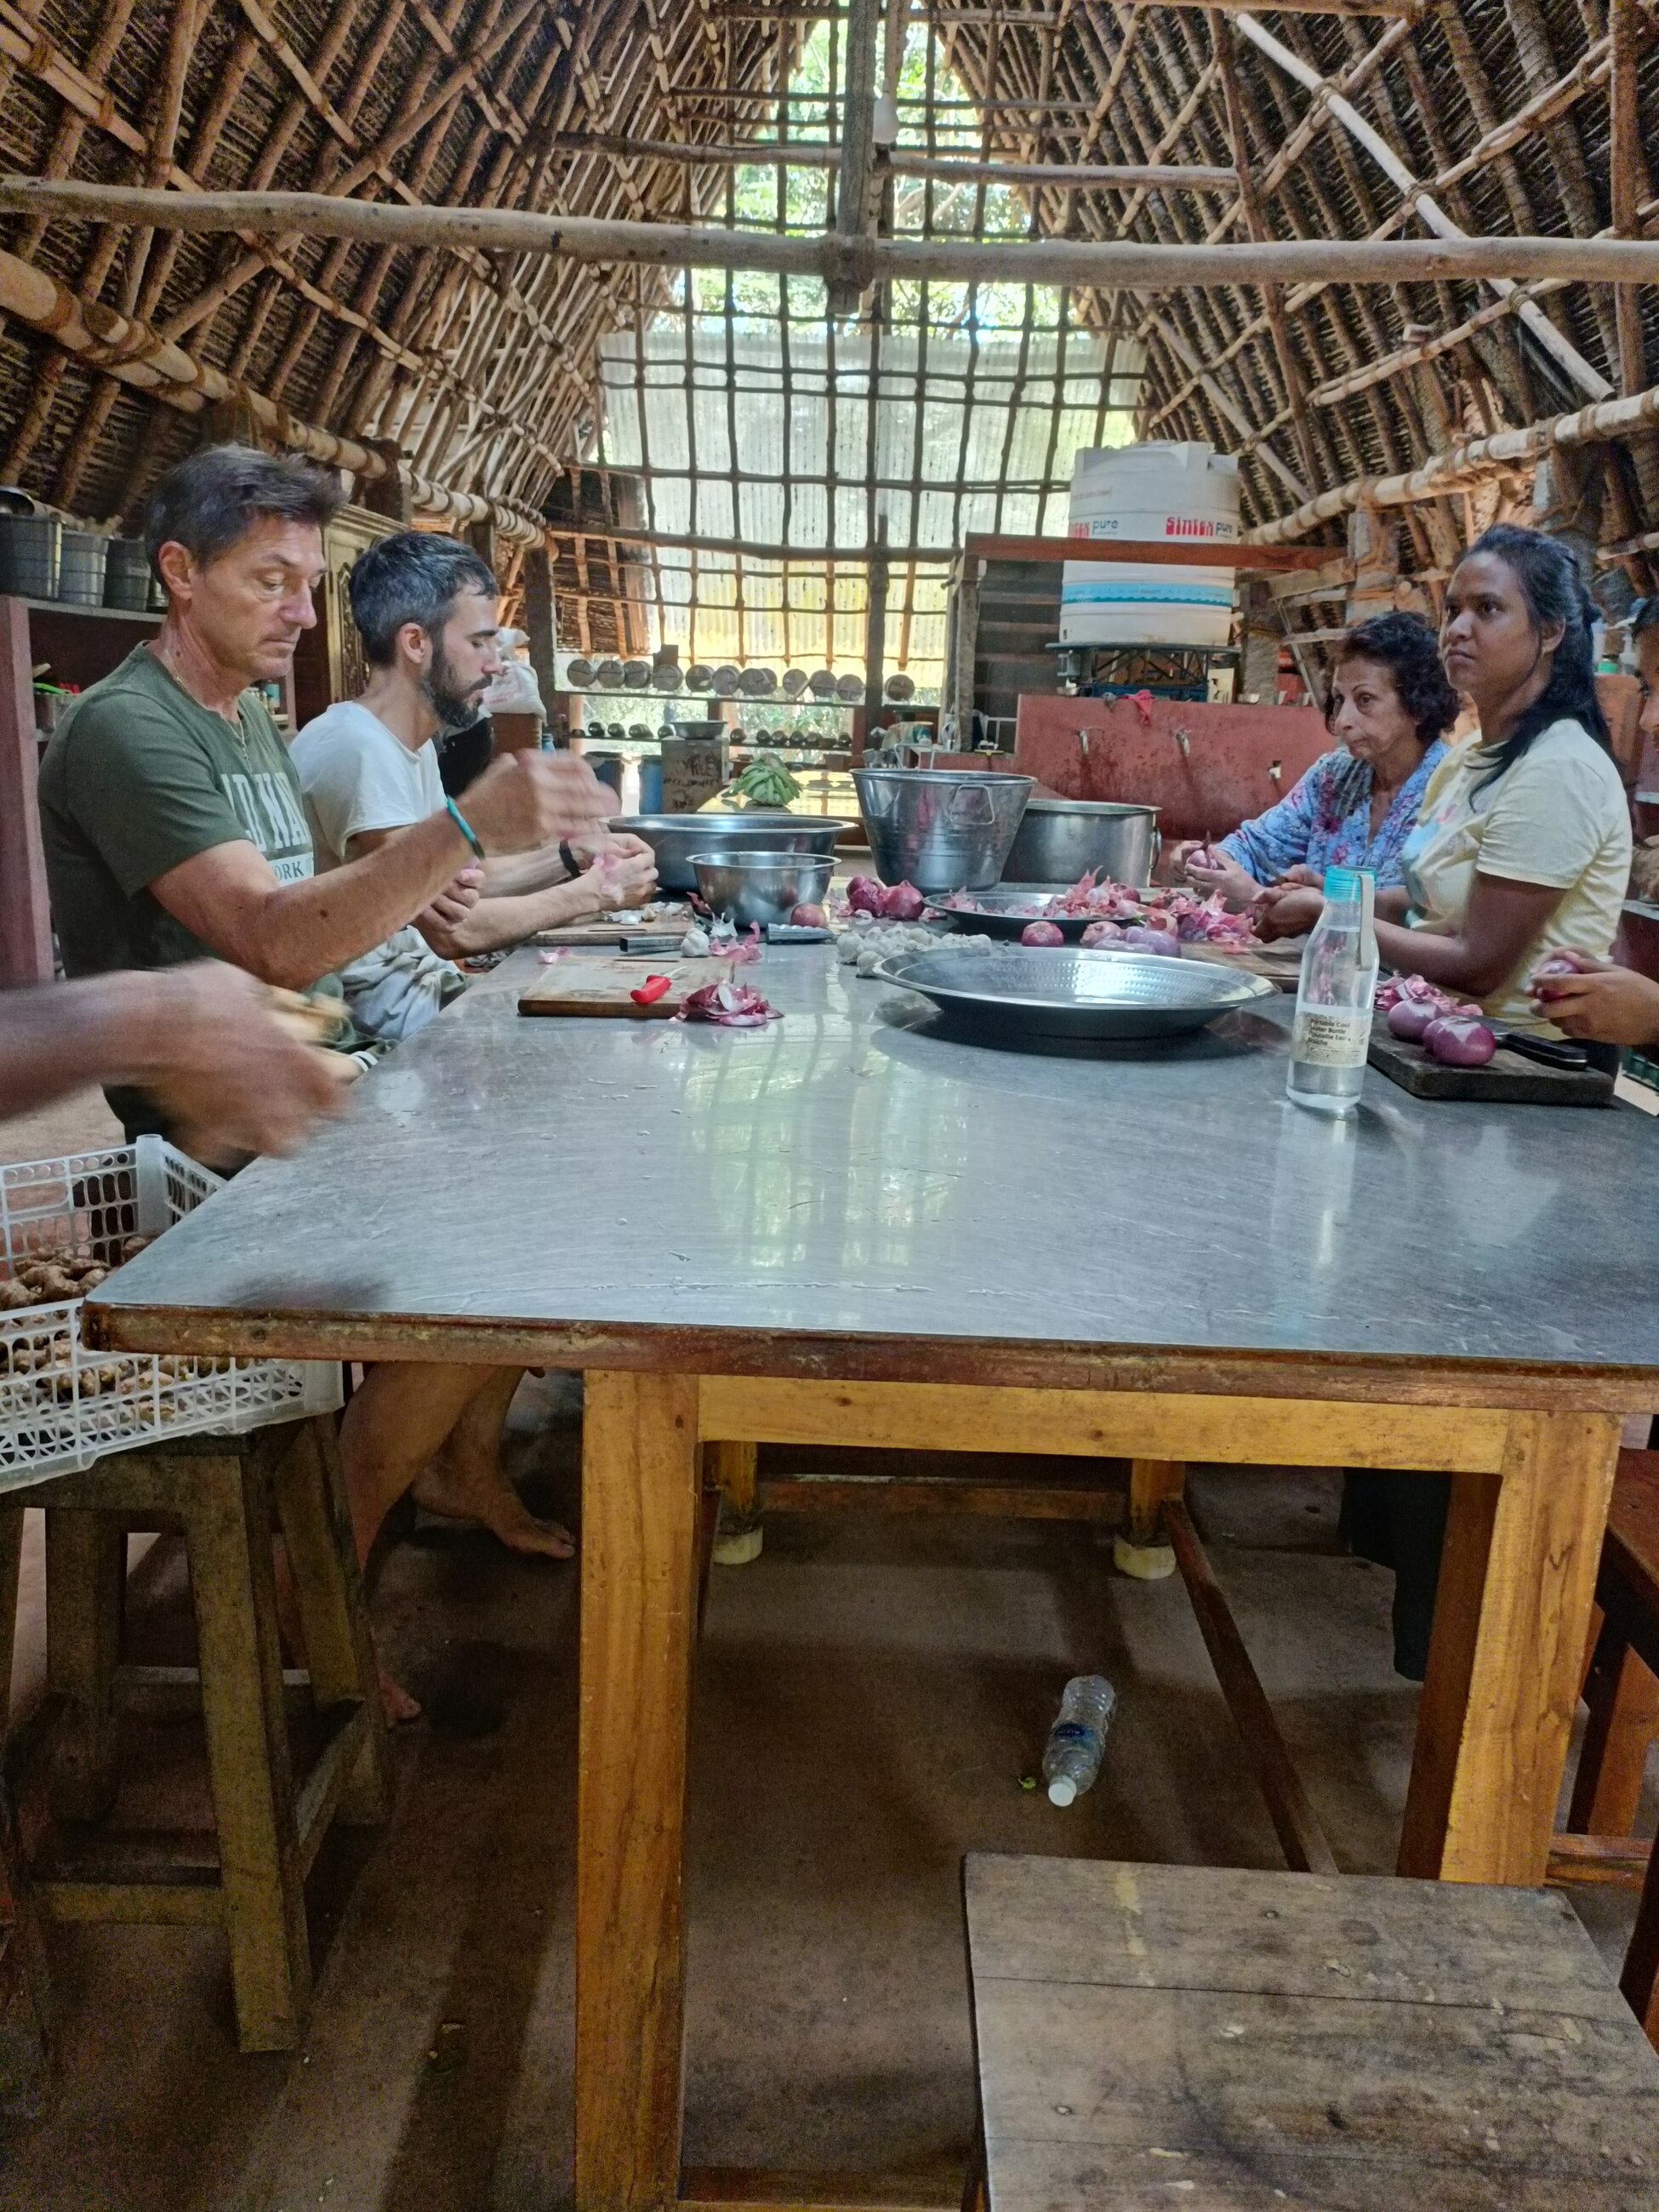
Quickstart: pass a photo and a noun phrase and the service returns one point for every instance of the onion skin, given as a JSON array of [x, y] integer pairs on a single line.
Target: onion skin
[[1042, 932], [1409, 1017], [904, 903], [1457, 1041]]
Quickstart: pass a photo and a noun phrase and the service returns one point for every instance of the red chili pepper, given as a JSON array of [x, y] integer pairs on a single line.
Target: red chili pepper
[[652, 988]]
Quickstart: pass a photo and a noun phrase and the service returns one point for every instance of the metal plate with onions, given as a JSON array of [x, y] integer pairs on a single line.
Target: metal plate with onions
[[1008, 910], [1035, 991]]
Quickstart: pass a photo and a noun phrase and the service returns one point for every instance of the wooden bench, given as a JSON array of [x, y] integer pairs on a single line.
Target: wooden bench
[[1226, 2041], [1622, 1694]]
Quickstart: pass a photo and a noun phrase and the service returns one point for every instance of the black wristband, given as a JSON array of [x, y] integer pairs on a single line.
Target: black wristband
[[568, 861]]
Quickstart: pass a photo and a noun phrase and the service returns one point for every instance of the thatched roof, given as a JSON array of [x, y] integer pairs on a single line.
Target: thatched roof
[[1491, 118]]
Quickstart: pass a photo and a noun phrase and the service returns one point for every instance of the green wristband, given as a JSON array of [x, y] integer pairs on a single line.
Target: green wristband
[[464, 826]]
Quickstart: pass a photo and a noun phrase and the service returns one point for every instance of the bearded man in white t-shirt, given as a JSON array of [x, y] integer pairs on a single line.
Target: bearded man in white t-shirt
[[426, 607]]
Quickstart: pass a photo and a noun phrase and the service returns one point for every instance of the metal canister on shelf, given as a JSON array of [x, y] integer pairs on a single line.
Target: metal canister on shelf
[[126, 576], [31, 550], [81, 570]]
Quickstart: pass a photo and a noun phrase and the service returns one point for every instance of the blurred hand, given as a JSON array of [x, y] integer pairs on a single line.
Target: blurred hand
[[524, 800], [455, 902], [233, 1077], [1601, 1003], [624, 879], [1308, 877], [1210, 870], [1288, 910], [621, 842]]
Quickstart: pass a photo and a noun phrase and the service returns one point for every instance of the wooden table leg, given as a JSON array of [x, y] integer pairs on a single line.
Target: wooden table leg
[[1144, 1550], [1511, 1615], [225, 1505], [640, 1490], [731, 1468], [86, 1574], [328, 1595]]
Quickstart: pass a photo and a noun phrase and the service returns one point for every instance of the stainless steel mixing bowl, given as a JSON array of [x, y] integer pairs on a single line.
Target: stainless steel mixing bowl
[[760, 887]]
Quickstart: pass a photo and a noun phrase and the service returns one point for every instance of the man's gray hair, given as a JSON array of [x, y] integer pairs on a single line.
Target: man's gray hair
[[217, 494], [414, 576]]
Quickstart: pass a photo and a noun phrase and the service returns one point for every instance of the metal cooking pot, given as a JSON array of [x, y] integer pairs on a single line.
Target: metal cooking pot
[[1060, 839], [940, 831]]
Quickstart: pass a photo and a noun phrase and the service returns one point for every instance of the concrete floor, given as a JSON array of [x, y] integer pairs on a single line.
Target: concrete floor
[[869, 1694]]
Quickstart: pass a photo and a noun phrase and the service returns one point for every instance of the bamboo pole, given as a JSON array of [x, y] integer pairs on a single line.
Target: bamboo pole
[[1626, 172], [140, 356], [1104, 265], [1472, 461], [812, 153]]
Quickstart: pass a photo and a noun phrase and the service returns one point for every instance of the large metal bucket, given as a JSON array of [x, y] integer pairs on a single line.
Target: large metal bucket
[[941, 832], [1060, 839], [31, 549]]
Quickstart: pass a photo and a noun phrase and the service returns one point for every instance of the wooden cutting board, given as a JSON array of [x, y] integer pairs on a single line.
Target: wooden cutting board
[[1508, 1078], [1280, 963], [606, 986]]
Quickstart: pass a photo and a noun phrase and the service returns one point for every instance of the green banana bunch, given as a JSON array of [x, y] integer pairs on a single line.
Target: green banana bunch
[[766, 782]]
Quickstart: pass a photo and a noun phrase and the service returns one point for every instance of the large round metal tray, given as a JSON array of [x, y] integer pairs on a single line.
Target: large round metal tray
[[1036, 991], [1007, 911]]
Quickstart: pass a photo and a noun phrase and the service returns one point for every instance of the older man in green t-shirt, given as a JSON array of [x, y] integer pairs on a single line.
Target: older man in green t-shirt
[[173, 828]]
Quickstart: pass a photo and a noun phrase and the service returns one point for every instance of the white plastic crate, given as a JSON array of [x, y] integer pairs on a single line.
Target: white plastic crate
[[62, 1404]]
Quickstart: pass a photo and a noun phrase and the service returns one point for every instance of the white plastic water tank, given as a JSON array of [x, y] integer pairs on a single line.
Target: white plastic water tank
[[1164, 492]]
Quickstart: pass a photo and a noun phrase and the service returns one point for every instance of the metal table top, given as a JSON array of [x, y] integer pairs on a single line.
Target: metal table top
[[855, 1172]]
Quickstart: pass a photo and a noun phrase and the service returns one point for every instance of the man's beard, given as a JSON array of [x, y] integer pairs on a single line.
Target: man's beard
[[454, 708]]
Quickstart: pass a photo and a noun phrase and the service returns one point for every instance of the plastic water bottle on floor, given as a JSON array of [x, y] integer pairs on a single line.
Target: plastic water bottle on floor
[[1070, 1758]]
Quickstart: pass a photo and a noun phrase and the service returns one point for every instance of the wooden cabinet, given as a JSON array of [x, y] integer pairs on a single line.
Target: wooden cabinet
[[329, 663]]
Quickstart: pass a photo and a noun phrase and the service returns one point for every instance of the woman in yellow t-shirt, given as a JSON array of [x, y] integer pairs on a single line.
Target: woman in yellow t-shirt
[[1523, 846]]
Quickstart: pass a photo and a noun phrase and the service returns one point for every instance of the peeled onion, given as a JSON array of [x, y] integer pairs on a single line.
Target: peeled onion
[[1142, 939], [1460, 1042], [1102, 932], [1042, 932], [864, 896], [1409, 1017]]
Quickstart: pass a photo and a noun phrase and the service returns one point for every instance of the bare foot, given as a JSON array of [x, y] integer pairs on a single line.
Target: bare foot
[[465, 1491], [400, 1708]]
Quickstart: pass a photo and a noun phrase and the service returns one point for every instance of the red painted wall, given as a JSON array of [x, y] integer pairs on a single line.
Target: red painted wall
[[1221, 776]]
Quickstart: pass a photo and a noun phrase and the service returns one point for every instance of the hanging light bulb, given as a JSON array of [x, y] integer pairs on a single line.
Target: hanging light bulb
[[885, 120]]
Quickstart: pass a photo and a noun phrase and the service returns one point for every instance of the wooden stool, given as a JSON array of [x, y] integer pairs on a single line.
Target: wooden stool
[[220, 1492], [1623, 1696], [1188, 2035]]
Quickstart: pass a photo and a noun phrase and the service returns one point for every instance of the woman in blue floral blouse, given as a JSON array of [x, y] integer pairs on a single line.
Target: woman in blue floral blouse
[[1390, 707]]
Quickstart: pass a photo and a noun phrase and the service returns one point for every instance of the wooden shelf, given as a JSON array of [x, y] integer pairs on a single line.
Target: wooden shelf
[[149, 616]]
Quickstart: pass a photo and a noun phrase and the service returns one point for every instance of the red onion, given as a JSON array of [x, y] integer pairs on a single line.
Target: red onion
[[1042, 932], [1459, 1041], [904, 903], [1409, 1017], [1102, 932], [864, 896], [808, 917], [1559, 963]]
